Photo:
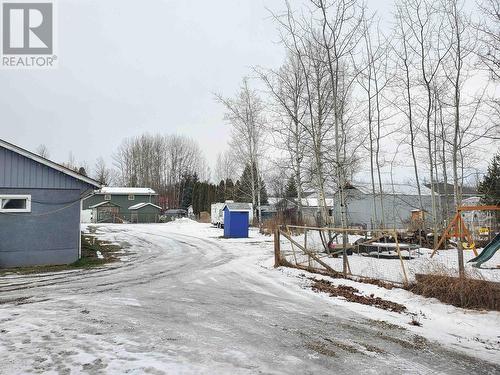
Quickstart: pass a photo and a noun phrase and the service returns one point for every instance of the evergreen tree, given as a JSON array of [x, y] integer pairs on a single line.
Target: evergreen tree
[[229, 191], [245, 189], [196, 200], [490, 186], [236, 191], [221, 192], [82, 171], [263, 193], [188, 183], [291, 188]]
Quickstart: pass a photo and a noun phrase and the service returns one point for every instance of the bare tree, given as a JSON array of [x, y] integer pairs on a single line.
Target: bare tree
[[287, 89], [102, 173], [43, 151], [225, 167], [489, 36], [245, 114], [374, 79], [405, 62], [427, 27], [160, 162], [341, 31]]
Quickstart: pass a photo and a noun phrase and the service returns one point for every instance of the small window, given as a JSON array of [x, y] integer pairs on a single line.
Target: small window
[[107, 197], [131, 197], [15, 203]]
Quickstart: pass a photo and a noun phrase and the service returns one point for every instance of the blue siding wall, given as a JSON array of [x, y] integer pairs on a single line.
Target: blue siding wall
[[235, 224], [50, 234], [19, 171]]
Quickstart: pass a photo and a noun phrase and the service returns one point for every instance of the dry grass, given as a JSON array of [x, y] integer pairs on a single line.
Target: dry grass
[[269, 226], [466, 292], [89, 259]]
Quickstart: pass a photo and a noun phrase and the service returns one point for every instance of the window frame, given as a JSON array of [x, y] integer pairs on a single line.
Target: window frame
[[27, 197], [131, 197], [107, 197]]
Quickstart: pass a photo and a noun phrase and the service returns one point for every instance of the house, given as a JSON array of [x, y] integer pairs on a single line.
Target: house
[[446, 194], [399, 200], [310, 205], [236, 220], [40, 205], [267, 211], [124, 198]]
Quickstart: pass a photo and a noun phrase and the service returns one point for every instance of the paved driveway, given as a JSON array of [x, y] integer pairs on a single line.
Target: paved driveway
[[182, 303]]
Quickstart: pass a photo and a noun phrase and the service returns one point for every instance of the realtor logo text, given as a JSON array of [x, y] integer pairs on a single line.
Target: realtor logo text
[[28, 35]]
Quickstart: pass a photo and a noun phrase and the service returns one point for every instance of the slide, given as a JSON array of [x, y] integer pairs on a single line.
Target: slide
[[488, 252]]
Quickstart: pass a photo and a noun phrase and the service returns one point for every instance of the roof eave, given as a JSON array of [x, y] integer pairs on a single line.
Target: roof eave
[[49, 163]]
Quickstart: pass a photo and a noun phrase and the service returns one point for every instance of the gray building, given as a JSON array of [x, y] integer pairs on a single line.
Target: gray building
[[40, 205], [126, 202], [399, 201]]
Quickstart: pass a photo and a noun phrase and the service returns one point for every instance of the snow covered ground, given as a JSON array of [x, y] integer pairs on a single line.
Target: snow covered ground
[[445, 261], [184, 300]]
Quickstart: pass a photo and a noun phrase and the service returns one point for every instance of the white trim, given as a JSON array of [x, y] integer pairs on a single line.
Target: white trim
[[138, 206], [51, 164], [120, 190], [16, 196], [102, 203], [131, 197], [80, 230]]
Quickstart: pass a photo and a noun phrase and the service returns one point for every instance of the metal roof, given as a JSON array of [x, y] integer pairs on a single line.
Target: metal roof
[[238, 206], [126, 191], [104, 203], [391, 189], [48, 163], [138, 206]]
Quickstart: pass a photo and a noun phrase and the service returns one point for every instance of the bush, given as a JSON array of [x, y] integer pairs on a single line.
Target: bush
[[463, 292]]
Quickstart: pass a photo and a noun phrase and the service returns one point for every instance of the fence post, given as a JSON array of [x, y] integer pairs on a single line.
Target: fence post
[[277, 250], [460, 251]]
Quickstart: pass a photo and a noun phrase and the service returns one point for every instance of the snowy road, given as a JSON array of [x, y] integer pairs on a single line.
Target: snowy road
[[183, 303]]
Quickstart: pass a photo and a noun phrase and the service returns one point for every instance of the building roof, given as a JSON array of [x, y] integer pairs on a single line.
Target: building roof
[[125, 191], [314, 202], [471, 201], [440, 188], [138, 206], [306, 202], [390, 189], [104, 203], [48, 163], [268, 208], [238, 207]]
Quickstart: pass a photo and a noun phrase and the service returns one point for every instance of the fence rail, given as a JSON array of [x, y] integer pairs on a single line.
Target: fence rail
[[376, 254]]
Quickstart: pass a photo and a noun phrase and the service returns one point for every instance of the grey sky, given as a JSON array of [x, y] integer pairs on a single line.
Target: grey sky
[[128, 67]]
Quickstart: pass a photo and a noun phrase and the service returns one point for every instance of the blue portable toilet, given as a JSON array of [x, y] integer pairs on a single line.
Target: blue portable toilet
[[236, 220]]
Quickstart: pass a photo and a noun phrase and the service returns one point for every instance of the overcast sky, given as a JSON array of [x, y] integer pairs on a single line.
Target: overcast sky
[[128, 67]]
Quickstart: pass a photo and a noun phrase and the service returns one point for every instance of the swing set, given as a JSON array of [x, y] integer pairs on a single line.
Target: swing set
[[458, 229]]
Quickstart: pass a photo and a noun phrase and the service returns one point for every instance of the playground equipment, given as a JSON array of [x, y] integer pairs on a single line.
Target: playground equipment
[[458, 229], [487, 253]]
